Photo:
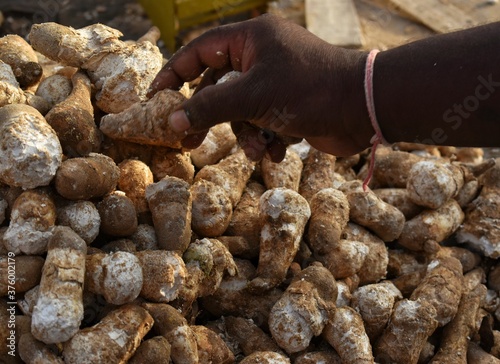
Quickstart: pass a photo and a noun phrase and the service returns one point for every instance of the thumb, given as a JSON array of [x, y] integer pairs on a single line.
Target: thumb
[[215, 104]]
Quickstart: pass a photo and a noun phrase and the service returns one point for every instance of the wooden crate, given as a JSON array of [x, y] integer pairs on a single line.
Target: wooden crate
[[171, 16]]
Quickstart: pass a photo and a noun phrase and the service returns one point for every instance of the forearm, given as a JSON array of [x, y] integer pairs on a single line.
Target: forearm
[[442, 90]]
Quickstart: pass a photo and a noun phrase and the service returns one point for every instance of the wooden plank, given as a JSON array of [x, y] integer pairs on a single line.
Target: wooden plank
[[436, 15], [335, 21], [482, 11], [384, 27]]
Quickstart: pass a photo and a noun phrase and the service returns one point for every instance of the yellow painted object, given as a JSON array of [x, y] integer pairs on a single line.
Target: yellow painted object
[[171, 16]]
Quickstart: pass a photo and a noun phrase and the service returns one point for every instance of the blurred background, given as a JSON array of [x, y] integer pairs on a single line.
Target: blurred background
[[351, 23]]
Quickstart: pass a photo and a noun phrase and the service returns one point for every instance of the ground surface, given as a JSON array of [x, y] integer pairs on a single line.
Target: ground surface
[[125, 15], [383, 24]]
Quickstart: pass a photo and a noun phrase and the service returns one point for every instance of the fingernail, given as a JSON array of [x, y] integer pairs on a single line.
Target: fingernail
[[179, 121]]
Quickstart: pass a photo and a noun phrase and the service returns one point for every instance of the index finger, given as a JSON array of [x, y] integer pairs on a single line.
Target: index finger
[[217, 48]]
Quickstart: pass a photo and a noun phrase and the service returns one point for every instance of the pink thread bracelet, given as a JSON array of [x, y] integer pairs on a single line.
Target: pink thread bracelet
[[370, 104]]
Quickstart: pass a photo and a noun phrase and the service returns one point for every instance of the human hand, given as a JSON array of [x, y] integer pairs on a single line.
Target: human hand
[[293, 85]]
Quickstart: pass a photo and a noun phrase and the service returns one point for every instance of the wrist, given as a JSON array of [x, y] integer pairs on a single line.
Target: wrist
[[355, 115]]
